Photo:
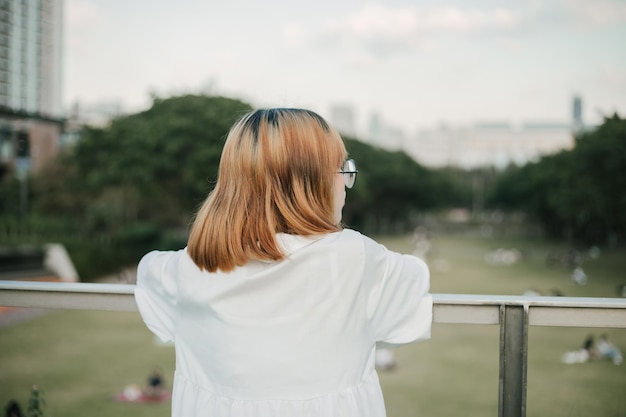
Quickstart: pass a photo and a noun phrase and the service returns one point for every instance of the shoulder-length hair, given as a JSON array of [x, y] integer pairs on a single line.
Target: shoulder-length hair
[[276, 175]]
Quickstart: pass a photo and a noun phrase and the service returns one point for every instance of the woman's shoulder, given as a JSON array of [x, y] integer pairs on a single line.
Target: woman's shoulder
[[344, 237], [158, 261], [355, 237], [353, 242], [161, 256], [349, 234]]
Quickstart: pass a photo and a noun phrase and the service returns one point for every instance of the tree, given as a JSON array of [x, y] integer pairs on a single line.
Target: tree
[[123, 189], [392, 189], [134, 185], [576, 194], [154, 166]]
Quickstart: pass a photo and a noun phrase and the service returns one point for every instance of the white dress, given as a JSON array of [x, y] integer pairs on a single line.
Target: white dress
[[291, 338]]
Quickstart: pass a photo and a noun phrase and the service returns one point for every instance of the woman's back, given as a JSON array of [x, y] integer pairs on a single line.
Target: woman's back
[[299, 333], [267, 321]]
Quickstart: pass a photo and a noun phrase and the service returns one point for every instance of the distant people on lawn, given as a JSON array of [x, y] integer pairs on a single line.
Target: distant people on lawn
[[589, 351], [384, 359], [607, 350], [12, 409], [155, 384], [153, 391]]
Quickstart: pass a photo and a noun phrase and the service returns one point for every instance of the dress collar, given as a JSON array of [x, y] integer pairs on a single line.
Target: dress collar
[[292, 243]]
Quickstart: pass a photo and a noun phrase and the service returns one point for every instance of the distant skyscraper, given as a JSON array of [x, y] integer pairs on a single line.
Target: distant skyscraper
[[383, 134], [577, 113], [490, 144], [342, 118], [30, 84], [31, 56]]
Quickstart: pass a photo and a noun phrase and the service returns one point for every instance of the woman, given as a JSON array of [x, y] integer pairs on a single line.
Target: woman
[[274, 308]]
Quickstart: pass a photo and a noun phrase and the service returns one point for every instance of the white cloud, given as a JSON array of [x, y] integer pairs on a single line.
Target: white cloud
[[376, 21], [454, 19], [403, 22], [417, 63], [383, 30], [596, 13]]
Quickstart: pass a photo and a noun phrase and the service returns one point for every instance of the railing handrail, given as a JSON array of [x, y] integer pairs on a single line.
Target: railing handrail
[[8, 286], [75, 287], [513, 313]]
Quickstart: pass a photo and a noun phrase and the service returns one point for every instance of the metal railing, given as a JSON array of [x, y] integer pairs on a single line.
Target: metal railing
[[514, 314]]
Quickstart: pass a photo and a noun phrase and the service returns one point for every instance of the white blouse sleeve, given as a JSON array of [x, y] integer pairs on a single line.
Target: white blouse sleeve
[[156, 292], [399, 306]]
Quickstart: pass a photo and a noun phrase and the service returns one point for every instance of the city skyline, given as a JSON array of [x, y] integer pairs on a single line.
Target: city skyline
[[416, 67]]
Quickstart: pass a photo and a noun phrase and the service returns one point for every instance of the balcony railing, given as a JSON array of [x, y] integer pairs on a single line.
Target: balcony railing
[[514, 314]]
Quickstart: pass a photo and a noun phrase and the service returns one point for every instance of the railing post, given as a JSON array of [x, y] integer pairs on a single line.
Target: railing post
[[513, 360]]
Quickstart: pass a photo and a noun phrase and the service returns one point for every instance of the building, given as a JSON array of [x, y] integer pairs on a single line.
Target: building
[[384, 135], [31, 71], [490, 144], [495, 144], [343, 119]]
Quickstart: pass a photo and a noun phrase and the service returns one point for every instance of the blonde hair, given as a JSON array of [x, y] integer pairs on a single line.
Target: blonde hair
[[276, 175]]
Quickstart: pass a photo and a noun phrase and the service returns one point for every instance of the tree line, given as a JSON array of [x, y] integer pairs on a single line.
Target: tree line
[[578, 194], [135, 185]]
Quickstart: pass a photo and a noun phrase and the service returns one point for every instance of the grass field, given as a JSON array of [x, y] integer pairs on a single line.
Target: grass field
[[81, 359]]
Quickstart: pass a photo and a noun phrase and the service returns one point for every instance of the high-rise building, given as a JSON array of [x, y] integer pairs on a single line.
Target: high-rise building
[[31, 56], [497, 143], [577, 114], [343, 119], [31, 52], [383, 134]]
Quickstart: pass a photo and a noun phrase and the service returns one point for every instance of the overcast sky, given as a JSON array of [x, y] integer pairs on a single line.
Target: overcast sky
[[415, 63]]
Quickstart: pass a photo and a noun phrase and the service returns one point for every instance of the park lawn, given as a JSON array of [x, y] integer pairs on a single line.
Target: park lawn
[[81, 359], [456, 372]]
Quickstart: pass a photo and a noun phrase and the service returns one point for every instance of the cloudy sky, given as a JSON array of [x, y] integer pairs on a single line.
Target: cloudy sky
[[417, 64]]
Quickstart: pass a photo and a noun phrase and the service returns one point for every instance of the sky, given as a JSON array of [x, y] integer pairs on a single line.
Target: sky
[[415, 64]]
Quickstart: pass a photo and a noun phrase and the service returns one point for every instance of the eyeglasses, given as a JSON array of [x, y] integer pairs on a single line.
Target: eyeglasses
[[349, 171]]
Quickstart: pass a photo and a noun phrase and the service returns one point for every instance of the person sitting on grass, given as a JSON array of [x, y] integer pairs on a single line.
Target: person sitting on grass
[[607, 350], [586, 353], [12, 409], [155, 384]]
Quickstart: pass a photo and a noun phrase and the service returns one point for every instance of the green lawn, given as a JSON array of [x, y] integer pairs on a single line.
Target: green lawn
[[456, 372], [81, 359]]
